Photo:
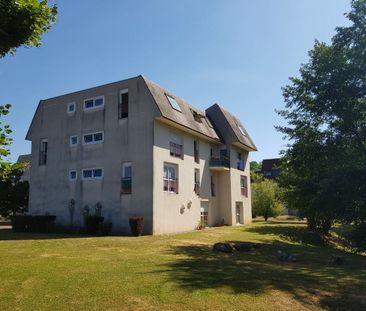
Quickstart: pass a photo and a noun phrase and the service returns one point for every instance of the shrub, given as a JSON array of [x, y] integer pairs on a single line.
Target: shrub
[[106, 228], [357, 237], [42, 223], [92, 224], [136, 225], [20, 223]]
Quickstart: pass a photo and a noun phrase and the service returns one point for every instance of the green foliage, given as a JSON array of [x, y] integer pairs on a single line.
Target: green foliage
[[266, 199], [324, 166], [255, 166], [23, 22], [14, 193], [5, 141]]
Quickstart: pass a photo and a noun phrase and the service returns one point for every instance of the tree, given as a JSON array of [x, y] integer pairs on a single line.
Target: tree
[[23, 22], [14, 193], [5, 141], [266, 199], [324, 166]]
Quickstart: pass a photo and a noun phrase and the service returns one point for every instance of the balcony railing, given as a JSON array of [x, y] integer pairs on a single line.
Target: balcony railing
[[126, 185], [220, 162]]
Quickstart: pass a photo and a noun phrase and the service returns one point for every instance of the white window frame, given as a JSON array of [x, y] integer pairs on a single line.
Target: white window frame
[[93, 99], [68, 108], [93, 142], [76, 175], [173, 103], [92, 177], [176, 168], [77, 140]]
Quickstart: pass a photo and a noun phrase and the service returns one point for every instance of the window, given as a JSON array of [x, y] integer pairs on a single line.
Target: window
[[213, 193], [196, 152], [73, 175], [93, 173], [241, 129], [197, 181], [95, 102], [123, 105], [176, 148], [240, 162], [244, 185], [204, 215], [71, 108], [73, 140], [173, 103], [196, 116], [170, 178], [93, 138], [126, 183], [43, 152]]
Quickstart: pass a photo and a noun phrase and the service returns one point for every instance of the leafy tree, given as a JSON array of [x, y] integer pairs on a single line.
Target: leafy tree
[[5, 140], [255, 166], [14, 193], [266, 199], [23, 22], [324, 166]]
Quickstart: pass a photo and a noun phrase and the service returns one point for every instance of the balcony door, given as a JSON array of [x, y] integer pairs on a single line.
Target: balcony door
[[239, 212]]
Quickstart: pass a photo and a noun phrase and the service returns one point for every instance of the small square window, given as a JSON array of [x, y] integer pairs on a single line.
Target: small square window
[[98, 136], [89, 103], [87, 173], [73, 140], [71, 108], [72, 175], [97, 172], [98, 102], [88, 138]]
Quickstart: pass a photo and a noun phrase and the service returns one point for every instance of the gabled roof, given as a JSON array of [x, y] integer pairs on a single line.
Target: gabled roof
[[187, 115], [230, 127]]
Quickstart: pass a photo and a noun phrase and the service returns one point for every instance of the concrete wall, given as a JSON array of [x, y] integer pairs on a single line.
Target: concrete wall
[[126, 140], [181, 212]]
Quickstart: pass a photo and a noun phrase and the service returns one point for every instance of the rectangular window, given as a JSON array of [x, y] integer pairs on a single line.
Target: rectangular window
[[73, 140], [71, 108], [196, 152], [197, 181], [95, 102], [126, 184], [240, 162], [244, 185], [176, 150], [43, 150], [93, 138], [92, 173], [173, 103], [73, 175], [123, 105], [213, 193], [170, 178]]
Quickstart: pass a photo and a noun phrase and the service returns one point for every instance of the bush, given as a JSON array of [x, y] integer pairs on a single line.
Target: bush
[[20, 223], [92, 224], [42, 223], [357, 237], [106, 228], [136, 225]]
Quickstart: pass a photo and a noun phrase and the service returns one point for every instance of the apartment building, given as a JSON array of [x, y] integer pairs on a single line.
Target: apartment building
[[139, 149]]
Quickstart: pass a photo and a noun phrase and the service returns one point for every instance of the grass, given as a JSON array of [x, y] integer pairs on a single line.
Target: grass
[[178, 272]]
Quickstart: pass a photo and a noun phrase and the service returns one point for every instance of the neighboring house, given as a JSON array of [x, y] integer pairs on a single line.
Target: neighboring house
[[25, 159], [270, 168], [138, 149]]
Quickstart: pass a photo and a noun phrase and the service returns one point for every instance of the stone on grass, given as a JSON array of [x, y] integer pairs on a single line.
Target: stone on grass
[[223, 247], [282, 256], [243, 246]]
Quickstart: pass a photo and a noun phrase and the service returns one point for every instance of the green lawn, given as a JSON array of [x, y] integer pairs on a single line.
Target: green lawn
[[178, 272]]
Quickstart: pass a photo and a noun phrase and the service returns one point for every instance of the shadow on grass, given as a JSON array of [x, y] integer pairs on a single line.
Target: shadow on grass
[[311, 280], [7, 234]]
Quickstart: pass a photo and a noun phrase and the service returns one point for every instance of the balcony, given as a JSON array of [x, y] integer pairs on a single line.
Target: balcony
[[219, 164]]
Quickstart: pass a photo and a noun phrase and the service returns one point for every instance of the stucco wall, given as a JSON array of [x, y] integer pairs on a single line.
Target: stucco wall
[[126, 140]]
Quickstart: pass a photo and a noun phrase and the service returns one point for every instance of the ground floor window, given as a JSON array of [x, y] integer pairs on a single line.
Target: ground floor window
[[126, 183], [244, 186], [170, 178]]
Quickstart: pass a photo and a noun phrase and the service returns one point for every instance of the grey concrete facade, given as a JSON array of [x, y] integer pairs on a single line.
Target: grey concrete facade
[[143, 141]]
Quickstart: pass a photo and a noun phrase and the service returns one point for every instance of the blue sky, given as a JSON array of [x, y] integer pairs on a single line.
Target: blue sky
[[236, 53]]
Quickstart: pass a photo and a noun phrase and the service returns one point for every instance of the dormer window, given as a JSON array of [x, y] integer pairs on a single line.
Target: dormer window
[[197, 116], [173, 103]]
